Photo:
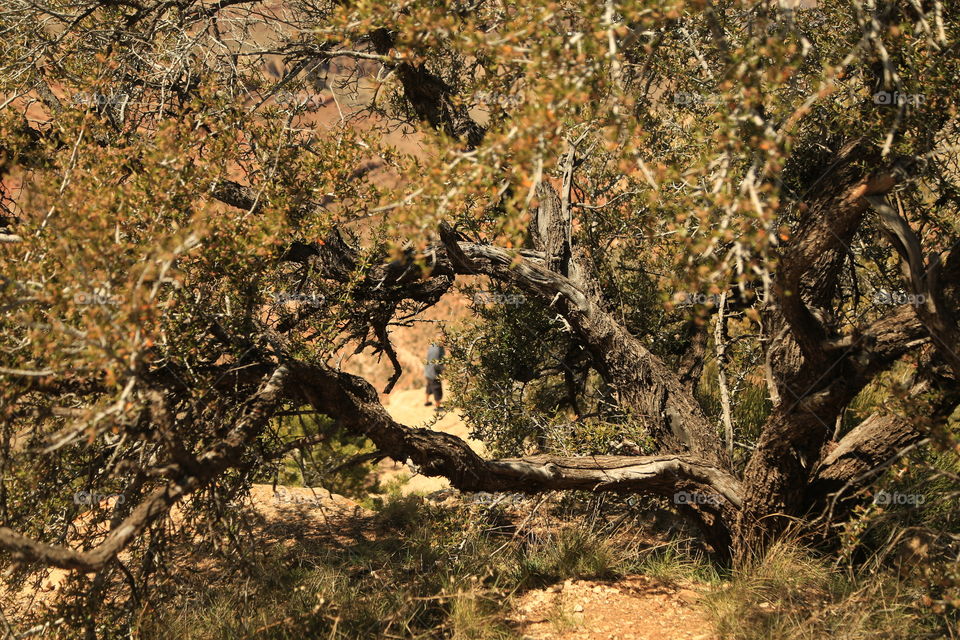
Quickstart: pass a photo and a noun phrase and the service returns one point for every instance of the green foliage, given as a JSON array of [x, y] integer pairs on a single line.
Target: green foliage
[[791, 593], [140, 305], [497, 360], [907, 525], [427, 571], [677, 560], [328, 463], [570, 552], [524, 383]]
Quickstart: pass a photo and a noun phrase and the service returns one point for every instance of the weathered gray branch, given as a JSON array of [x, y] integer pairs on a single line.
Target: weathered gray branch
[[924, 282], [210, 465], [355, 404]]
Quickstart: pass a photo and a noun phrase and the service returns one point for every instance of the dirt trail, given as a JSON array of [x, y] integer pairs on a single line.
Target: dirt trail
[[406, 407], [633, 608]]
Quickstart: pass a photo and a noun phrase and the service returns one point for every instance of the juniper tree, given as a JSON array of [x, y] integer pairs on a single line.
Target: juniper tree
[[189, 239]]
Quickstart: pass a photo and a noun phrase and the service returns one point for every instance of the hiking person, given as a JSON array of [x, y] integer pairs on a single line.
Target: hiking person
[[432, 371]]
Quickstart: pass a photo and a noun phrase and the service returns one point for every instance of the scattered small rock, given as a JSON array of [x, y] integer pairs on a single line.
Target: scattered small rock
[[688, 596]]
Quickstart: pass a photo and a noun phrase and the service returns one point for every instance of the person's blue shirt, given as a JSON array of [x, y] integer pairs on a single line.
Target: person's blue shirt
[[433, 368]]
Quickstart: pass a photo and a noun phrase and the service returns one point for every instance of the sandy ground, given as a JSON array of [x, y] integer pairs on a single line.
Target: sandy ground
[[634, 608], [406, 407]]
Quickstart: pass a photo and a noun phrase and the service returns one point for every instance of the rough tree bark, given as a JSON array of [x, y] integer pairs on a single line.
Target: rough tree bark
[[816, 371]]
